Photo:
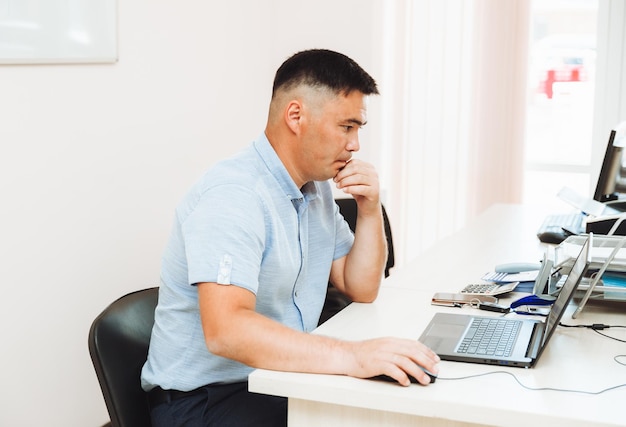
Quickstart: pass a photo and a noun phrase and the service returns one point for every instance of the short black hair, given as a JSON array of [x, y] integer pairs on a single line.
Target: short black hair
[[324, 68]]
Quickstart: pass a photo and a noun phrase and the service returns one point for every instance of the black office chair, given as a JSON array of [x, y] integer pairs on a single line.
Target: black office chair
[[118, 344], [335, 300]]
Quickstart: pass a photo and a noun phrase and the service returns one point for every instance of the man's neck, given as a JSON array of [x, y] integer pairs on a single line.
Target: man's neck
[[282, 148]]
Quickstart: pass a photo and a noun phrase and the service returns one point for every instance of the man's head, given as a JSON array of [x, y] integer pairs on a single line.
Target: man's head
[[323, 69], [318, 106]]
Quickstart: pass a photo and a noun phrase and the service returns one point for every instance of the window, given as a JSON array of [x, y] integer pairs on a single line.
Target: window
[[464, 126], [561, 91]]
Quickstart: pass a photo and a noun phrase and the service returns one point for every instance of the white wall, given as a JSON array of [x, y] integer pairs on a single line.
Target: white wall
[[93, 159]]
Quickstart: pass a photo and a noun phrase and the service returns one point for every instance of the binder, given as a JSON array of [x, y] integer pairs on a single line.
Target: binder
[[608, 257]]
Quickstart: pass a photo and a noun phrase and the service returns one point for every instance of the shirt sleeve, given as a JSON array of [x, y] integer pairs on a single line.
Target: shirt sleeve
[[224, 237]]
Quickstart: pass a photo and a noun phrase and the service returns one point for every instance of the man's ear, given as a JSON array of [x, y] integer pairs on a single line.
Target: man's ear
[[293, 116]]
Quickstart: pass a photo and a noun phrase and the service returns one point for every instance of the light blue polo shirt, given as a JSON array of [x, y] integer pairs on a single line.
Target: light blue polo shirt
[[245, 223]]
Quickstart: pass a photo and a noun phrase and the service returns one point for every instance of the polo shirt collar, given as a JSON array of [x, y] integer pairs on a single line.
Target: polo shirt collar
[[277, 169]]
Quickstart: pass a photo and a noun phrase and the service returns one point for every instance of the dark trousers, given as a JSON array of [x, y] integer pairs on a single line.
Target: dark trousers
[[222, 405]]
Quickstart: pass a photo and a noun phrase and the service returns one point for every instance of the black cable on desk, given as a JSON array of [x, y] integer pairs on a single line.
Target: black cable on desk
[[597, 327]]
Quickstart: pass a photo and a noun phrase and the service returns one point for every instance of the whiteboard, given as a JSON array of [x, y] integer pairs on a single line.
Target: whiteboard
[[58, 31]]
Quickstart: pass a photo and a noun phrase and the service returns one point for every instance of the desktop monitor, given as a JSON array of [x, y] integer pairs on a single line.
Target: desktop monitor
[[610, 181]]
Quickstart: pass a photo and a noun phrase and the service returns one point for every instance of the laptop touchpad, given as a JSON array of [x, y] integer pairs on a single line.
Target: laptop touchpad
[[442, 334]]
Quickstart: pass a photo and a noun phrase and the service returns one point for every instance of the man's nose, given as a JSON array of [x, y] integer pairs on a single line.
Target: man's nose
[[353, 145]]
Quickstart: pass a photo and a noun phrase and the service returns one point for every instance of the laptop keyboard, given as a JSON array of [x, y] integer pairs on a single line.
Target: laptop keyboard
[[494, 337]]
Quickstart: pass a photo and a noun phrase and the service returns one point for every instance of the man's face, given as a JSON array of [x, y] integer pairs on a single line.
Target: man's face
[[331, 134]]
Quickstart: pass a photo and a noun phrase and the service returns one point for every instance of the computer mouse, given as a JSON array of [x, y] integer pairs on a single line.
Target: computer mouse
[[552, 236], [413, 380]]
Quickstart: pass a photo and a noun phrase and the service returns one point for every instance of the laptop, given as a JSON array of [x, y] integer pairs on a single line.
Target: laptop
[[453, 336]]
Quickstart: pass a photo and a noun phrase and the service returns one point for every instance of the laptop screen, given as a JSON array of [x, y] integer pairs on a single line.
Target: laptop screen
[[567, 290]]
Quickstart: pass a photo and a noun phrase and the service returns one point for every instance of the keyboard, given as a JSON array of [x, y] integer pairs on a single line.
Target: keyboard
[[558, 227], [490, 336]]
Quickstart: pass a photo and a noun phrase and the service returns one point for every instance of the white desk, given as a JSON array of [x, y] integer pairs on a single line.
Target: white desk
[[576, 359], [502, 234]]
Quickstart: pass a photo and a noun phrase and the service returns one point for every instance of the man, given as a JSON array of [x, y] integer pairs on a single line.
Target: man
[[254, 244]]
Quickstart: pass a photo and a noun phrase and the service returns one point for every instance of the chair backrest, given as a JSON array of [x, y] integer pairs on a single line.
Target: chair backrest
[[335, 300], [118, 344], [348, 209]]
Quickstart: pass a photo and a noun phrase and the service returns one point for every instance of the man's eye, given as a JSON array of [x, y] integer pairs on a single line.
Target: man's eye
[[347, 127]]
